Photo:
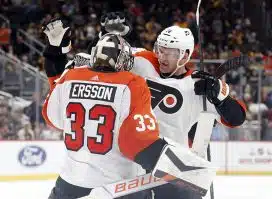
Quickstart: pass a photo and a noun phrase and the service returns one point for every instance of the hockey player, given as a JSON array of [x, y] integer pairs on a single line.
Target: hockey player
[[177, 91], [106, 126]]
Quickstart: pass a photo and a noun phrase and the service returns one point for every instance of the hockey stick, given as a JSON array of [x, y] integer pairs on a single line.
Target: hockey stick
[[125, 187], [232, 64], [200, 50], [204, 96]]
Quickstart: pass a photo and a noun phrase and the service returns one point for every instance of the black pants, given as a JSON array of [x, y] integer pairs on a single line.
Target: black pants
[[169, 191], [65, 190]]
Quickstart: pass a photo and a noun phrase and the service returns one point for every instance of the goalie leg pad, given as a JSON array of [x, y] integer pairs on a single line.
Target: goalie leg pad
[[181, 167]]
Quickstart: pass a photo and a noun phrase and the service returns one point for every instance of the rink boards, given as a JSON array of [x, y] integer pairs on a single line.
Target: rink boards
[[39, 160]]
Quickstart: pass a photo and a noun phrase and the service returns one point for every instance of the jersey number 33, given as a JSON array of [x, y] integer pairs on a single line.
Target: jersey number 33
[[105, 129]]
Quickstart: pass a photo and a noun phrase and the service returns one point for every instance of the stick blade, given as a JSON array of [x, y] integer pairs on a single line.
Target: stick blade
[[232, 64]]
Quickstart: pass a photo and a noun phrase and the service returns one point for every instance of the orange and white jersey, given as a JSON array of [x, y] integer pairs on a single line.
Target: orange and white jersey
[[173, 100], [105, 124]]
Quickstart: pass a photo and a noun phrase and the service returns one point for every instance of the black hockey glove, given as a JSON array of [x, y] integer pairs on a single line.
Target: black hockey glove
[[115, 22], [215, 89], [111, 22], [59, 38]]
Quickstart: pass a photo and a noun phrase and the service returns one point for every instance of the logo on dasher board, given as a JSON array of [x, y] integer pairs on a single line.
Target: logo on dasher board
[[169, 99], [32, 156]]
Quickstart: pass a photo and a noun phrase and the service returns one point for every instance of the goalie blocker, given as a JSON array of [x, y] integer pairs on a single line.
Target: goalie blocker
[[183, 168]]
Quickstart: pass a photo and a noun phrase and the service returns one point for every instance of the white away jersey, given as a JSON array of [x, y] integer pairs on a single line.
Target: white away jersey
[[173, 100]]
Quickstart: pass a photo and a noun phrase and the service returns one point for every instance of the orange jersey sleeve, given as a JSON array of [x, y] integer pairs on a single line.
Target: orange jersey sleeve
[[140, 129], [51, 81], [151, 57]]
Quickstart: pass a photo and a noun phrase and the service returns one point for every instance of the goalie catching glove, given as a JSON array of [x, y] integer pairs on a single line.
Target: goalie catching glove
[[215, 89], [59, 38]]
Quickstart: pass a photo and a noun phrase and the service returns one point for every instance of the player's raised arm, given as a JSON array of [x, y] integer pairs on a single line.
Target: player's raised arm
[[59, 44]]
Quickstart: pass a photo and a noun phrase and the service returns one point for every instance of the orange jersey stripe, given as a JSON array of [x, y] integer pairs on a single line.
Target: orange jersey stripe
[[131, 141], [188, 72]]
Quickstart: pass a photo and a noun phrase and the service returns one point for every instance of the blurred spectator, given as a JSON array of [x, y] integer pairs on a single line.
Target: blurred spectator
[[4, 128], [5, 32], [268, 99], [31, 111], [7, 130], [153, 25], [49, 133], [90, 32], [135, 9], [233, 77], [5, 5], [254, 108], [26, 133], [268, 63]]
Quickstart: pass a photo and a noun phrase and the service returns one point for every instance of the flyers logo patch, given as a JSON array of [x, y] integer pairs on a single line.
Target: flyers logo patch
[[167, 98]]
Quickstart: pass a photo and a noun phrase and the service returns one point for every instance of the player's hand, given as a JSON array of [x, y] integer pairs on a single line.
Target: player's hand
[[59, 37], [206, 84], [115, 22]]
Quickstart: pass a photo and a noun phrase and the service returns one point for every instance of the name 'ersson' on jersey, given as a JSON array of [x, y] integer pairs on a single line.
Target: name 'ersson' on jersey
[[92, 91]]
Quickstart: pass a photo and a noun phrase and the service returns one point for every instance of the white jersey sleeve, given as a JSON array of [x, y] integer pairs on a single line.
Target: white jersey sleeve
[[54, 108]]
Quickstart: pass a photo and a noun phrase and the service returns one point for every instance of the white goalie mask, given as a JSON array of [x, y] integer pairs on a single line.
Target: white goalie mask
[[115, 50]]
